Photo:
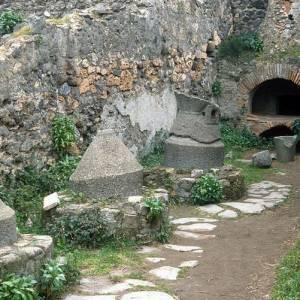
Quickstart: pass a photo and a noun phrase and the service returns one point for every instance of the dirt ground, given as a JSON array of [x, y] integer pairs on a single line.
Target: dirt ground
[[240, 262]]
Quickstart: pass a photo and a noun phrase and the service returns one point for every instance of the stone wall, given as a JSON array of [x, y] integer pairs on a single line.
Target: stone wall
[[248, 14], [109, 66]]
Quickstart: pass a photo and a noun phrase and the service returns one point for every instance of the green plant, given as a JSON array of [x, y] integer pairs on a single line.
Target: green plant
[[240, 46], [165, 231], [87, 228], [52, 279], [8, 20], [25, 190], [216, 88], [287, 285], [70, 269], [155, 208], [207, 189], [18, 288], [296, 127], [241, 138], [63, 133]]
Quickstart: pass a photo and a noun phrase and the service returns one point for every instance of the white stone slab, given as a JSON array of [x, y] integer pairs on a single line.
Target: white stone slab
[[194, 236], [81, 297], [124, 286], [135, 199], [211, 208], [189, 264], [275, 195], [146, 250], [182, 248], [147, 296], [198, 227], [183, 221], [268, 204], [228, 214], [166, 273], [155, 260], [246, 208], [51, 201]]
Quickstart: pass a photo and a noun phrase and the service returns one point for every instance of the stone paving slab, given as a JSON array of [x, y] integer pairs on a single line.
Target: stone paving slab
[[228, 214], [147, 250], [81, 297], [246, 208], [166, 273], [211, 208], [194, 236], [145, 295], [183, 221], [198, 227], [155, 260], [189, 264], [180, 248]]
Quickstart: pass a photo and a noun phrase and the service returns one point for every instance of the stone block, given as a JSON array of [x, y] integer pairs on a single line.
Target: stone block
[[262, 159], [8, 232], [51, 201], [189, 154], [107, 169]]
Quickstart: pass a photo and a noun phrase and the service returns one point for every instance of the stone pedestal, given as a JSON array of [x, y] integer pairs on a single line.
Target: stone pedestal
[[8, 232], [108, 169], [186, 153], [20, 254], [195, 141]]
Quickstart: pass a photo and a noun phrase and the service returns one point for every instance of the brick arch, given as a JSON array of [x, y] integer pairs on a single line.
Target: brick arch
[[250, 82]]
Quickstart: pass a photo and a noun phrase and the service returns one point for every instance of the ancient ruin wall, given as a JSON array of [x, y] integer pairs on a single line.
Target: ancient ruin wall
[[107, 67]]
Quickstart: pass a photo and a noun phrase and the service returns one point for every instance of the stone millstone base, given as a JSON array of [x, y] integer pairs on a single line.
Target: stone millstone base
[[124, 185], [184, 153], [26, 256]]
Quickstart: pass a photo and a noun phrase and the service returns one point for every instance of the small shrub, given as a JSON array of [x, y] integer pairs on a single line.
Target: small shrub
[[206, 190], [216, 88], [8, 20], [70, 270], [155, 207], [165, 231], [241, 138], [52, 279], [87, 228], [18, 288], [239, 46], [63, 134]]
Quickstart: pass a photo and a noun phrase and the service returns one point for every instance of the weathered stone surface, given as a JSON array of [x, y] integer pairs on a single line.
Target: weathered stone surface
[[186, 153], [194, 236], [107, 169], [51, 201], [147, 296], [82, 297], [228, 214], [166, 273], [183, 221], [147, 250], [8, 232], [26, 256], [246, 208], [182, 248], [189, 264], [155, 260], [198, 227], [211, 208], [262, 159]]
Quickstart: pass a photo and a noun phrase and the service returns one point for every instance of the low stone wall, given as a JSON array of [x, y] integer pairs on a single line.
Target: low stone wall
[[180, 182], [26, 256], [121, 218]]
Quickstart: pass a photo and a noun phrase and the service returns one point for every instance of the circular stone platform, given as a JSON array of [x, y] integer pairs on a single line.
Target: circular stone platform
[[185, 153]]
